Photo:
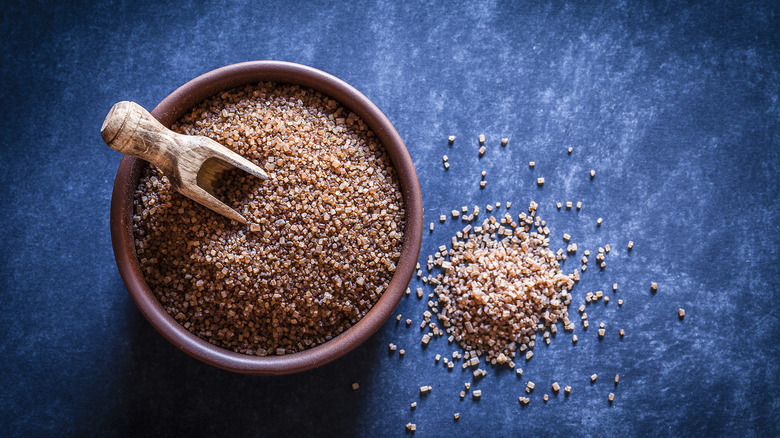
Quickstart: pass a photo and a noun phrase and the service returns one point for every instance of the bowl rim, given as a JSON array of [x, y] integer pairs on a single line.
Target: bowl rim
[[170, 110]]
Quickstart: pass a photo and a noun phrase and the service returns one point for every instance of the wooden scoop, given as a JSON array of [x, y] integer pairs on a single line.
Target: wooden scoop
[[191, 162]]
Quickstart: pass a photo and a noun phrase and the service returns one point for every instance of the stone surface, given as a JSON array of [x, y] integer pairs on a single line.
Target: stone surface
[[674, 105]]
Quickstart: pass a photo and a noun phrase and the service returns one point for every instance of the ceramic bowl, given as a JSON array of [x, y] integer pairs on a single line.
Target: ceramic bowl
[[179, 103]]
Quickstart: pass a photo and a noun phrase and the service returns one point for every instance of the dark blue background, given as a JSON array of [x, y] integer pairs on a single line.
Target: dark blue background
[[674, 104]]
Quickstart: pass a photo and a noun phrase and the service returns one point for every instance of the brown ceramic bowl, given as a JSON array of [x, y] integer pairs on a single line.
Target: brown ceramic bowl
[[179, 103]]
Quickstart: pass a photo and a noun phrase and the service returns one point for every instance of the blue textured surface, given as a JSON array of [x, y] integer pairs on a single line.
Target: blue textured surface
[[674, 105]]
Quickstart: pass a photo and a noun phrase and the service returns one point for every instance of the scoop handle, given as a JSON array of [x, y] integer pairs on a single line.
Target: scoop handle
[[131, 130]]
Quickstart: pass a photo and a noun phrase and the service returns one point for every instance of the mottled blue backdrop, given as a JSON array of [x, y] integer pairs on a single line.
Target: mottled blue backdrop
[[674, 104]]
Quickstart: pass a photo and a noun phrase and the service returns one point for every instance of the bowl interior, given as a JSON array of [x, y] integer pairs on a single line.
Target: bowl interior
[[179, 103]]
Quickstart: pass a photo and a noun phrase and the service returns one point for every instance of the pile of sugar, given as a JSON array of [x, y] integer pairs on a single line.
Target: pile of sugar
[[501, 283], [324, 236]]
